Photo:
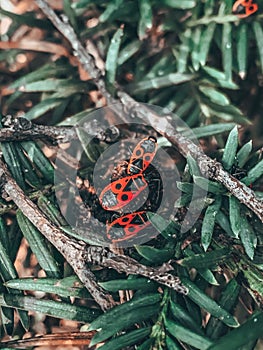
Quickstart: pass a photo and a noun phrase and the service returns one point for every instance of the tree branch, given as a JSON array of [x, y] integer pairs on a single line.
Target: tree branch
[[72, 249], [20, 129], [122, 263]]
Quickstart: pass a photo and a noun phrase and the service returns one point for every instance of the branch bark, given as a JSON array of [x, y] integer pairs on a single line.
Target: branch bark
[[122, 263], [72, 249]]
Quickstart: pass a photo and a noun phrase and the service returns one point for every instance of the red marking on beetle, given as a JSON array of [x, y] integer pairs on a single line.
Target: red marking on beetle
[[127, 226], [244, 8]]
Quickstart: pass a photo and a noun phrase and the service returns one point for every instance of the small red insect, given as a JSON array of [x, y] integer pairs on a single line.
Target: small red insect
[[127, 226], [244, 8], [120, 192], [123, 191], [142, 155]]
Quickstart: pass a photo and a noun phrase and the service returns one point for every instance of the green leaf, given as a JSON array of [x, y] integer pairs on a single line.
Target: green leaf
[[51, 211], [228, 300], [206, 260], [49, 70], [42, 107], [208, 276], [205, 302], [255, 279], [128, 339], [7, 270], [161, 82], [123, 321], [4, 238], [209, 130], [227, 50], [209, 185], [259, 39], [242, 53], [11, 158], [179, 4], [146, 345], [62, 87], [195, 48], [247, 236], [252, 329], [220, 19], [27, 19], [214, 95], [243, 154], [128, 284], [209, 223], [128, 51], [185, 187], [111, 8], [184, 109], [230, 150], [181, 316], [146, 18], [83, 235], [111, 63], [205, 42], [124, 309], [183, 201], [187, 336], [254, 174], [49, 307], [89, 145], [168, 229], [223, 221], [70, 13], [30, 175], [193, 166], [155, 256], [66, 287], [228, 113], [171, 344], [234, 215], [184, 50], [41, 162], [203, 271], [219, 78], [38, 245]]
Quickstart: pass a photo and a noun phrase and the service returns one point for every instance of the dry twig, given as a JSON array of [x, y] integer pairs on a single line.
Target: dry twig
[[122, 263], [72, 249]]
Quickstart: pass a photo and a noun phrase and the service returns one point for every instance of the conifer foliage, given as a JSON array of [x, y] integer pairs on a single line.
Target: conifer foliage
[[201, 61]]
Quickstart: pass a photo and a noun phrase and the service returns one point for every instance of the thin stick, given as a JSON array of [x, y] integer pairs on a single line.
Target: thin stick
[[122, 263], [72, 249]]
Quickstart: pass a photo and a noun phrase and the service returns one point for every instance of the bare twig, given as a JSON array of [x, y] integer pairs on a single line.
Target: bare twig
[[122, 263], [20, 129], [72, 249]]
